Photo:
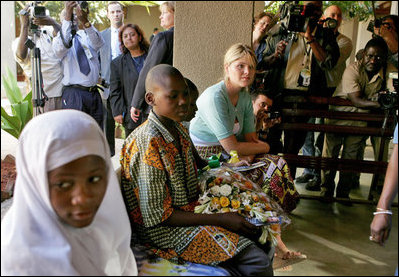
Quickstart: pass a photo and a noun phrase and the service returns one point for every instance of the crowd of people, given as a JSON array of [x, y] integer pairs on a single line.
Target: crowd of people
[[71, 215]]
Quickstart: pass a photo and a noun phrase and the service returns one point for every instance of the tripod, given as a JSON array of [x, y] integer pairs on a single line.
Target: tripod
[[38, 95]]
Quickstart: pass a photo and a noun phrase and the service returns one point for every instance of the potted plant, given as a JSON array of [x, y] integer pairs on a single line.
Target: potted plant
[[21, 113]]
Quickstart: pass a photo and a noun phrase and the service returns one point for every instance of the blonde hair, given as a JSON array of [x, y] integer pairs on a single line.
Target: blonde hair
[[237, 51], [170, 5]]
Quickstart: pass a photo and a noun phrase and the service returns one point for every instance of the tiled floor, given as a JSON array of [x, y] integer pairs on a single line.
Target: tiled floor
[[333, 236]]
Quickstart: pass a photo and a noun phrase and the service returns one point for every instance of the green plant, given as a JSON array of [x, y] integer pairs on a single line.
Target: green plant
[[21, 107]]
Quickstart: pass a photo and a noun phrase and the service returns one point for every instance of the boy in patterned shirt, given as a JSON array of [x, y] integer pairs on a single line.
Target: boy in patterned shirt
[[160, 187]]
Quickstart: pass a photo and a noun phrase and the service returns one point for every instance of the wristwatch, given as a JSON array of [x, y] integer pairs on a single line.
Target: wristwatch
[[87, 24]]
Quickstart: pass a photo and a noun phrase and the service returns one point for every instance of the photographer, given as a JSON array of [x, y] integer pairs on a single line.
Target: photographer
[[51, 68], [388, 30], [298, 67], [313, 145], [79, 54], [361, 82]]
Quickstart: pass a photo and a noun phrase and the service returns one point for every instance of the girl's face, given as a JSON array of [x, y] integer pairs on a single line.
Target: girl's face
[[77, 190], [167, 18], [241, 72], [130, 38], [172, 99]]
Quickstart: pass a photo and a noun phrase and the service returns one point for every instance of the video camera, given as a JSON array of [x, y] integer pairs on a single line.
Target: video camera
[[273, 115], [389, 99], [84, 5], [295, 17], [374, 23], [35, 11]]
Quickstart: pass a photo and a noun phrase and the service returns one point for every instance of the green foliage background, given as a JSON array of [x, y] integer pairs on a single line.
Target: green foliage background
[[98, 9], [362, 10]]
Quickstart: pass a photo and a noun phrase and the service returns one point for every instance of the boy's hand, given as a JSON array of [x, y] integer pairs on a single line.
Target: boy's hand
[[238, 224]]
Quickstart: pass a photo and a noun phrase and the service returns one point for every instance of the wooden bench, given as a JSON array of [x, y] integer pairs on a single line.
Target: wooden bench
[[318, 109]]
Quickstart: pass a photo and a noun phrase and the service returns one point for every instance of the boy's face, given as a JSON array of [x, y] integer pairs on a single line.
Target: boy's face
[[77, 189], [171, 98]]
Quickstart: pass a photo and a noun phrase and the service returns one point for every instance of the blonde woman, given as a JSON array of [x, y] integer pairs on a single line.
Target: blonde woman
[[225, 121]]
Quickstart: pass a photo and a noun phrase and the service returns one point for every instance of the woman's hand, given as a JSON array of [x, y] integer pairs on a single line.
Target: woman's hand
[[248, 158], [238, 224], [380, 228], [240, 163]]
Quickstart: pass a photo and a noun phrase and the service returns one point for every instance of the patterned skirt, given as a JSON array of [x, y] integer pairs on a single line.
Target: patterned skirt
[[274, 177]]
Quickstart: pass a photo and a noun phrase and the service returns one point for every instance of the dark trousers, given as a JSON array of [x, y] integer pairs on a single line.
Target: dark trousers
[[109, 125], [85, 101], [252, 261]]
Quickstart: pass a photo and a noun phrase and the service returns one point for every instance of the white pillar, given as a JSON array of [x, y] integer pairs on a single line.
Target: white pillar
[[7, 36], [204, 30], [394, 7]]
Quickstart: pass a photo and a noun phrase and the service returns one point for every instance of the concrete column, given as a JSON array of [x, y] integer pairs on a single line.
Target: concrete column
[[394, 7], [7, 36], [204, 30]]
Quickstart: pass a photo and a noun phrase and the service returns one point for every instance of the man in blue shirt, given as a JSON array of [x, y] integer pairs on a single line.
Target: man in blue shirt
[[78, 54]]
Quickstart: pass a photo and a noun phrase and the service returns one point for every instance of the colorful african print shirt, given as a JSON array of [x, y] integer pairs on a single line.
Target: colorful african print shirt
[[156, 180]]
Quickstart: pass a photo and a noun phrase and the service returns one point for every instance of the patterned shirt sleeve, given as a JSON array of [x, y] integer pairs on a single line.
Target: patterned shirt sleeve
[[148, 183]]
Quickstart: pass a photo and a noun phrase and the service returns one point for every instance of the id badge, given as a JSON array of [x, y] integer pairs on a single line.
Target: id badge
[[304, 78], [87, 52]]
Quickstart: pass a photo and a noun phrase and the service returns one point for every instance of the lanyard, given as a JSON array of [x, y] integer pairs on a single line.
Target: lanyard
[[306, 58]]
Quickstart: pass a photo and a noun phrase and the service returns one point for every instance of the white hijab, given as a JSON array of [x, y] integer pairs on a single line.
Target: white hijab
[[33, 240]]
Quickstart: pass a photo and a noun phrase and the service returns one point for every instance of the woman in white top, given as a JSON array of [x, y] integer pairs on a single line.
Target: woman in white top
[[68, 216]]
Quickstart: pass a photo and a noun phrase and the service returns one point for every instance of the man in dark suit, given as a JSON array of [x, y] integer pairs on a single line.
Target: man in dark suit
[[161, 52], [108, 52]]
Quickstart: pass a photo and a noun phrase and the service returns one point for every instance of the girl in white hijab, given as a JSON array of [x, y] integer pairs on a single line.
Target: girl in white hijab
[[68, 215]]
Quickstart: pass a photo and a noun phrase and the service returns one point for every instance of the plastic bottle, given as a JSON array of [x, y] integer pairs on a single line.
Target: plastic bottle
[[234, 157]]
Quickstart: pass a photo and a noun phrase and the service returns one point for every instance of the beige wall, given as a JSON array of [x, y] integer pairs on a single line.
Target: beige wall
[[204, 31], [147, 22]]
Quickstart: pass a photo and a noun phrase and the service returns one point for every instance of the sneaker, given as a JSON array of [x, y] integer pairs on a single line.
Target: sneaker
[[313, 185], [304, 178]]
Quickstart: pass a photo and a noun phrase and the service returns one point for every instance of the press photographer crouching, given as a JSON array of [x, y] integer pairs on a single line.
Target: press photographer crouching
[[78, 51], [361, 83], [298, 51], [34, 53]]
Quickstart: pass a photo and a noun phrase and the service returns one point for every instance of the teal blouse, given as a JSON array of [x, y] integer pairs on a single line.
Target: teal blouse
[[216, 115]]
